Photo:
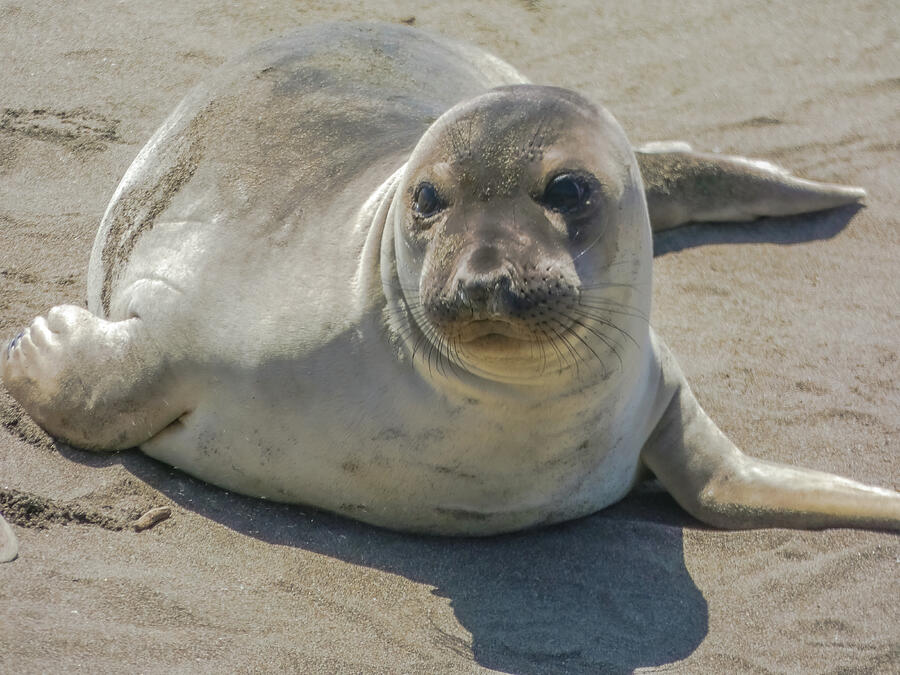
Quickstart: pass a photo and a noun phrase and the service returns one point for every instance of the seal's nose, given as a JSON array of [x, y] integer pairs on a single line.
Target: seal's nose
[[486, 292], [484, 283]]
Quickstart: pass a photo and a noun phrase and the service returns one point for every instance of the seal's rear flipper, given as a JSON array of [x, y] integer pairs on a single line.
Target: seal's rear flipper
[[9, 547], [686, 186], [718, 484]]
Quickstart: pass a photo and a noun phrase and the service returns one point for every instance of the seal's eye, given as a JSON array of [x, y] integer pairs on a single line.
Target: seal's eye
[[426, 201], [566, 193]]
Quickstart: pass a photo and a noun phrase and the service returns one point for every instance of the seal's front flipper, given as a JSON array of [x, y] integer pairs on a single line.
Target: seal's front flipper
[[718, 484], [95, 384], [686, 186], [9, 546]]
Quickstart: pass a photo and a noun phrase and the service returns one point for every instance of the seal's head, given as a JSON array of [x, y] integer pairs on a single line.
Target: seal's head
[[522, 241]]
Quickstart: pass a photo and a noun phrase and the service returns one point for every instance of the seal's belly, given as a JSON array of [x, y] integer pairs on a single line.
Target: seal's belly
[[386, 449]]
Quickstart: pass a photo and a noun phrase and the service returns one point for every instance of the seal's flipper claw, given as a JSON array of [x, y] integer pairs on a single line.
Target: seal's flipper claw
[[721, 486], [12, 343], [9, 546], [686, 186]]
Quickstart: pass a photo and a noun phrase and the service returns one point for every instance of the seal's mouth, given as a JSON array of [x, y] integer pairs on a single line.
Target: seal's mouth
[[495, 340], [491, 333]]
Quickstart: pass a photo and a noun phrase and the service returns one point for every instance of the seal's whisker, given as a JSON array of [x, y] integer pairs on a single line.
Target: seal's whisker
[[634, 313], [600, 285], [545, 339], [439, 358], [562, 358], [605, 339], [423, 335], [432, 348], [445, 355], [592, 297], [606, 322], [453, 354], [597, 240], [441, 351], [567, 330], [534, 344], [430, 342], [561, 363], [576, 355], [612, 344], [539, 341], [604, 311]]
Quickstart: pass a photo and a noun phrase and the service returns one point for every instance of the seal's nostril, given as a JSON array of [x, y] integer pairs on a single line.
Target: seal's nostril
[[481, 288]]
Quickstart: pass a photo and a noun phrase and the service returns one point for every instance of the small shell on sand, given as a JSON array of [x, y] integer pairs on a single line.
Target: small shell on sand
[[9, 546], [151, 518]]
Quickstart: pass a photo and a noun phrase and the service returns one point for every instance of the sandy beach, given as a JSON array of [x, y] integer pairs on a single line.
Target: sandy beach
[[786, 328]]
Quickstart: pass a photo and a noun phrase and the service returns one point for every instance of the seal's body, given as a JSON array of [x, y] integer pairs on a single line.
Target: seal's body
[[374, 271]]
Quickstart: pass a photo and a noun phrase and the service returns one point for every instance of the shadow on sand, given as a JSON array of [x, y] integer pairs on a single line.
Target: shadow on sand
[[604, 594]]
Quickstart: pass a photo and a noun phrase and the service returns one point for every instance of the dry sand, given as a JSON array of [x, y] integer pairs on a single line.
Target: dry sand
[[788, 330]]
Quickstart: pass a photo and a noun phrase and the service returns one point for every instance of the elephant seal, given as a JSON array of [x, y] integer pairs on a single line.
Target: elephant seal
[[376, 271]]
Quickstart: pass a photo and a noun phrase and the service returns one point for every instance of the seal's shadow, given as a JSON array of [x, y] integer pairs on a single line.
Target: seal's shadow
[[604, 594], [785, 230]]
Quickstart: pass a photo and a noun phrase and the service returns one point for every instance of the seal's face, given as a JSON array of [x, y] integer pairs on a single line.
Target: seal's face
[[511, 245]]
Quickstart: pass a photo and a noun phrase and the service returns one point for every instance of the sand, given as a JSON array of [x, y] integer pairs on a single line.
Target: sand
[[788, 330]]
